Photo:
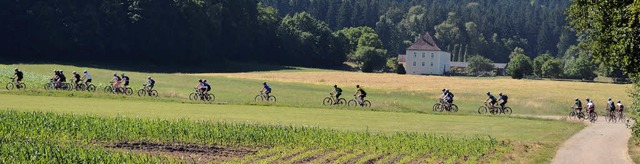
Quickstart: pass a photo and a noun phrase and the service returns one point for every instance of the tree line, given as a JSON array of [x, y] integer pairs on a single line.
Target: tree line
[[311, 33]]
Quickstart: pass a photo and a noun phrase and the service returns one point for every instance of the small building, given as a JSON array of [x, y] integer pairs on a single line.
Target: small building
[[424, 57]]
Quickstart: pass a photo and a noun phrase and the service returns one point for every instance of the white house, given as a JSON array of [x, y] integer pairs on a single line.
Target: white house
[[424, 57]]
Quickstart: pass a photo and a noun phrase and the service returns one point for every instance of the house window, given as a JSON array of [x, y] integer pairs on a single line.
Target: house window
[[415, 55], [414, 63], [423, 55], [432, 55], [423, 64], [432, 64]]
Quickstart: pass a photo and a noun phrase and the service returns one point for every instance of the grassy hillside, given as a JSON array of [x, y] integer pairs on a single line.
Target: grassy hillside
[[388, 92]]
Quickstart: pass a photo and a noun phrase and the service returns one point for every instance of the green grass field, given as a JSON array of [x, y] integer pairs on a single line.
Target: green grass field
[[299, 105]]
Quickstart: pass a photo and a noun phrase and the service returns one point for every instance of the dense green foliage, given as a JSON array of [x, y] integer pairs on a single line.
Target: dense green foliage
[[489, 28], [610, 30], [49, 127], [520, 65], [552, 68], [176, 33], [478, 64]]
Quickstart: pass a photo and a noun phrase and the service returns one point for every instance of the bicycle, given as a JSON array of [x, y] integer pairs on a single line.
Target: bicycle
[[51, 85], [621, 117], [330, 100], [110, 89], [354, 102], [611, 117], [145, 91], [84, 87], [494, 110], [578, 115], [199, 95], [593, 116], [263, 96], [13, 83], [437, 105], [442, 106]]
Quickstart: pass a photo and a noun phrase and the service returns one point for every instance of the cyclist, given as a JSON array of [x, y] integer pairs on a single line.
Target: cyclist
[[206, 84], [337, 91], [18, 75], [492, 98], [447, 96], [56, 78], [150, 83], [76, 77], [504, 99], [86, 77], [201, 87], [126, 80], [611, 105], [267, 89], [577, 106], [620, 107], [361, 96], [62, 77], [116, 81], [590, 106]]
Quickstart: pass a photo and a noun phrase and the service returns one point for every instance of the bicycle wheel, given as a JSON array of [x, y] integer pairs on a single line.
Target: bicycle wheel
[[259, 98], [507, 111], [193, 96], [352, 103], [442, 108], [272, 98], [366, 103], [154, 93], [494, 111], [81, 87], [9, 86], [342, 102], [435, 107], [22, 86], [91, 88], [454, 108], [482, 110], [128, 91], [572, 114], [327, 101], [142, 93], [107, 89]]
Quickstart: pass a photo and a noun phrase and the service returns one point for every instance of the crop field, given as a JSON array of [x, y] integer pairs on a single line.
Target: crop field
[[399, 128]]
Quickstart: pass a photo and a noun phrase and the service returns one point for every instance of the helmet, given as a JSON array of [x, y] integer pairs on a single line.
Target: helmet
[[587, 99], [488, 93], [609, 98], [85, 71], [74, 72], [205, 80], [200, 80], [115, 74], [60, 71], [55, 70], [148, 77], [264, 83], [444, 90], [357, 86], [16, 69], [335, 86], [122, 74], [618, 101], [500, 93], [577, 99]]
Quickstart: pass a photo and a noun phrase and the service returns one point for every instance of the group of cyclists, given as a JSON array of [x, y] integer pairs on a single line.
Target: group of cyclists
[[360, 94], [611, 106]]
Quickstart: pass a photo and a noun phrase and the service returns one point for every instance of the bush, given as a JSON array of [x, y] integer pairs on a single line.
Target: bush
[[552, 68], [580, 68], [479, 64], [519, 66]]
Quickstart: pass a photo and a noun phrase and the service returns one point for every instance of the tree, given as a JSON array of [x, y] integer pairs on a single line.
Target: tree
[[479, 64], [519, 66], [370, 58], [538, 62], [552, 68], [392, 64], [580, 68]]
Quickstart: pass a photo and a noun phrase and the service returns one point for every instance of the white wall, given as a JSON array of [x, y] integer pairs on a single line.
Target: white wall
[[427, 62]]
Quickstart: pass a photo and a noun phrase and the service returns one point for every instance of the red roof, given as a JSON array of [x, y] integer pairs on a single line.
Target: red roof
[[425, 43], [402, 58]]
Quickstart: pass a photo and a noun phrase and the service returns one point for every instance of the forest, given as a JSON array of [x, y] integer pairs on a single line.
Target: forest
[[309, 33]]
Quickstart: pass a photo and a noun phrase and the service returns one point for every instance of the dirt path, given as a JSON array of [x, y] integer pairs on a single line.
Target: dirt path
[[601, 142]]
